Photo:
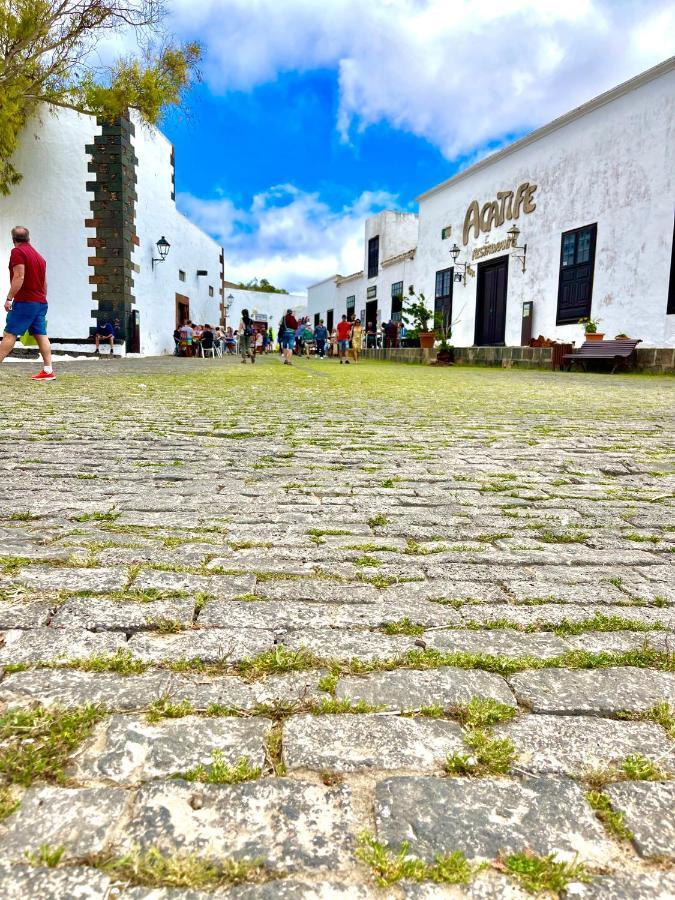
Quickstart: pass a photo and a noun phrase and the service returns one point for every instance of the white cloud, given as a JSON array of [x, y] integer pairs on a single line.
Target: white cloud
[[459, 73], [288, 236]]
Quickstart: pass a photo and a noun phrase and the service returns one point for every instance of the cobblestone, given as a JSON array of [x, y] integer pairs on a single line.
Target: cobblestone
[[411, 537]]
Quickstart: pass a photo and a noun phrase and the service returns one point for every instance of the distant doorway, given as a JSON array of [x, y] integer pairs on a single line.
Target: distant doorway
[[182, 310], [330, 320], [371, 312], [491, 302]]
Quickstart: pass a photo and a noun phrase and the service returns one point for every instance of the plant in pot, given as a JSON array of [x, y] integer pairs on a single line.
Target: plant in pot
[[419, 315], [591, 329], [443, 330]]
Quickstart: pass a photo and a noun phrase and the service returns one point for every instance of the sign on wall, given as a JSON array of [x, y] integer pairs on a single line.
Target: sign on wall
[[508, 205], [371, 292]]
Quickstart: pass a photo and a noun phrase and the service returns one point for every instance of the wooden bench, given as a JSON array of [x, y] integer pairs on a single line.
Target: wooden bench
[[621, 352]]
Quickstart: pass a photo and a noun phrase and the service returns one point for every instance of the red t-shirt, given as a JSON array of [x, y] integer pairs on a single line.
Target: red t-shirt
[[33, 287], [344, 330]]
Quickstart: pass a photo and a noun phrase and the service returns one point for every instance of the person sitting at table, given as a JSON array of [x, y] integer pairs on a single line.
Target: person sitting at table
[[186, 337], [198, 330], [230, 342], [207, 340]]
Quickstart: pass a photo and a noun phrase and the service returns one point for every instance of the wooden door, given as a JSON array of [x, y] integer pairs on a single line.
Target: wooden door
[[182, 310], [491, 302]]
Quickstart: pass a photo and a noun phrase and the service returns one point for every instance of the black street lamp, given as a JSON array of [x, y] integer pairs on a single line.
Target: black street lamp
[[163, 247]]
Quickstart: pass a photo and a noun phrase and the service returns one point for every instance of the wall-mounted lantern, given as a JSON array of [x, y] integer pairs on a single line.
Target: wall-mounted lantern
[[163, 247], [458, 276], [517, 252], [229, 300]]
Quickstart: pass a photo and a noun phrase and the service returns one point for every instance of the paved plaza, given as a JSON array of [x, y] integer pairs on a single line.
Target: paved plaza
[[335, 632]]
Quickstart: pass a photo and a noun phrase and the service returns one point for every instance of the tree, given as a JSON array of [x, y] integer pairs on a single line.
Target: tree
[[46, 57], [263, 286]]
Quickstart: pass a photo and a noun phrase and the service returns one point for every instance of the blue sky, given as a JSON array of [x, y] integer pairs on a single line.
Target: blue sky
[[311, 116]]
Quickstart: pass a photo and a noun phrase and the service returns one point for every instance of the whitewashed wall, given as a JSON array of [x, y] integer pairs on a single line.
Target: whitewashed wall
[[191, 249], [52, 201], [259, 303], [397, 232], [615, 165]]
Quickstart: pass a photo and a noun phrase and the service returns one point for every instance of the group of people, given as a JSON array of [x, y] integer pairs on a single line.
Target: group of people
[[201, 340]]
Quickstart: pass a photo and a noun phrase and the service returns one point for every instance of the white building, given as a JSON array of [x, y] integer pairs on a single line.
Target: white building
[[592, 195], [96, 199], [262, 306]]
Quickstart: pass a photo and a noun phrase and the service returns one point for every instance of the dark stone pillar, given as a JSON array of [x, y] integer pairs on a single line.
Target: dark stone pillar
[[113, 209]]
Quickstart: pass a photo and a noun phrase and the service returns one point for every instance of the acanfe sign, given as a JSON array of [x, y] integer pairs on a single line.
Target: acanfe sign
[[495, 212]]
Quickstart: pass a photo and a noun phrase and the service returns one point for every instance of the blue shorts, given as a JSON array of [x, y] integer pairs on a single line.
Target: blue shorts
[[25, 315], [343, 345], [288, 341]]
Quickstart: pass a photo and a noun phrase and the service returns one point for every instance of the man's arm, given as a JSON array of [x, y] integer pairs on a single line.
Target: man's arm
[[18, 274]]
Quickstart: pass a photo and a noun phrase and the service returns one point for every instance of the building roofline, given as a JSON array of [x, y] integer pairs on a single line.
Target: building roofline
[[324, 281], [578, 112], [407, 254], [342, 278]]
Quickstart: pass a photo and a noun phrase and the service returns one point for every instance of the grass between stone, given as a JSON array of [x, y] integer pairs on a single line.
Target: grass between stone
[[613, 820], [543, 873], [389, 868], [488, 756], [155, 869], [662, 713], [221, 772], [35, 743]]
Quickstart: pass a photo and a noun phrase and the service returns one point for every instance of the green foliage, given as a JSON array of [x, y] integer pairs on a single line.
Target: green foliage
[[489, 756], [378, 521], [416, 312], [220, 772], [121, 662], [402, 626], [46, 856], [8, 803], [483, 712], [638, 768], [664, 715], [178, 870], [390, 868], [543, 873], [263, 286], [277, 661], [36, 743], [613, 820], [46, 48], [163, 708]]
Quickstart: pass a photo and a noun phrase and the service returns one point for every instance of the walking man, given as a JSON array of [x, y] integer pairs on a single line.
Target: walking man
[[26, 303], [320, 338], [344, 331], [287, 328]]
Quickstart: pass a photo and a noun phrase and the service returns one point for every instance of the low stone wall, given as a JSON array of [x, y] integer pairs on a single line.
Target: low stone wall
[[504, 357], [656, 360], [401, 355], [652, 360]]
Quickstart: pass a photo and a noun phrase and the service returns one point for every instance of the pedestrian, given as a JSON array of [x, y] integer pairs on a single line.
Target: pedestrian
[[357, 340], [186, 333], [106, 331], [246, 337], [287, 328], [344, 331], [26, 303], [333, 343], [307, 336], [320, 338], [300, 337]]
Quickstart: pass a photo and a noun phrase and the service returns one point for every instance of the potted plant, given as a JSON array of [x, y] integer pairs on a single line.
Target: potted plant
[[418, 313], [445, 355], [591, 329]]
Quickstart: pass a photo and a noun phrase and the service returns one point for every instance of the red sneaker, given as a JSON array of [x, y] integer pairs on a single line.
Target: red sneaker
[[44, 376]]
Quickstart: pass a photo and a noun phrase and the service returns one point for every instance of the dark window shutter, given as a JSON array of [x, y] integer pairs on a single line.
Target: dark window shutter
[[575, 284]]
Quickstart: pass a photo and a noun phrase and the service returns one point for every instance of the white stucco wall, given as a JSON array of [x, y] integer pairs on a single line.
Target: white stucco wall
[[261, 304], [397, 231], [614, 166], [52, 201], [155, 288]]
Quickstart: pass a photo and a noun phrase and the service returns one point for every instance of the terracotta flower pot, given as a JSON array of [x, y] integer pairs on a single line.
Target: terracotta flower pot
[[595, 335], [427, 339]]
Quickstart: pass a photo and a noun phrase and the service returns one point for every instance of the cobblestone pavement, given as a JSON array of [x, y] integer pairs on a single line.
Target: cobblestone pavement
[[335, 632]]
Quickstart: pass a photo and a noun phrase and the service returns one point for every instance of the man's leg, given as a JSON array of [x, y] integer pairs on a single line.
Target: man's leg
[[97, 338], [7, 344], [45, 349], [112, 343]]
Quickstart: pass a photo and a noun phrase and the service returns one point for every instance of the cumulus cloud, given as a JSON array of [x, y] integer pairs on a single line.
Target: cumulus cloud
[[289, 236], [459, 73]]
